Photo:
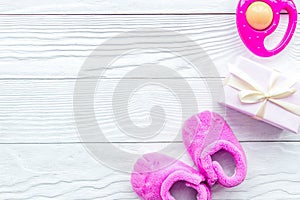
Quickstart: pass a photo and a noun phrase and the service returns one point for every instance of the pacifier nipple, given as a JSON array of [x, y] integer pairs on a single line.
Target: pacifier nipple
[[259, 15]]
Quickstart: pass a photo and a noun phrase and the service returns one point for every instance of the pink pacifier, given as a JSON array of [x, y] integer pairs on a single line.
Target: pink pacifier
[[258, 19]]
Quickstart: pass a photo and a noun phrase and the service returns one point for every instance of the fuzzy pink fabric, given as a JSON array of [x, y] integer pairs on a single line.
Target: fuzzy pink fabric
[[204, 135], [154, 174]]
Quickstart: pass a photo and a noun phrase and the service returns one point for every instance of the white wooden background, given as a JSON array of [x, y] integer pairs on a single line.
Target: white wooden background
[[43, 44]]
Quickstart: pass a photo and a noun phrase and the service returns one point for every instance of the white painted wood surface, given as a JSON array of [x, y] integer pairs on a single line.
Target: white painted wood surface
[[67, 171], [41, 156], [57, 46], [116, 6], [34, 111], [119, 6]]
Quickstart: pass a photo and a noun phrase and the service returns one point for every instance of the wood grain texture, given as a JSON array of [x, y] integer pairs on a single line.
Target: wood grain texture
[[116, 7], [119, 7], [34, 111], [67, 171], [42, 156], [57, 46]]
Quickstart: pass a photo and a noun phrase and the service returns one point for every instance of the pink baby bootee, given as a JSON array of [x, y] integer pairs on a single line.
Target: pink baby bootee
[[204, 135], [154, 175]]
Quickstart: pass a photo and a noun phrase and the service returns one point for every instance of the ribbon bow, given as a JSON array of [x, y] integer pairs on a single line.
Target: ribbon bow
[[251, 93]]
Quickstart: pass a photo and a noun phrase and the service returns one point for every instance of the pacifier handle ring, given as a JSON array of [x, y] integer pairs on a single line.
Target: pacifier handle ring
[[290, 7]]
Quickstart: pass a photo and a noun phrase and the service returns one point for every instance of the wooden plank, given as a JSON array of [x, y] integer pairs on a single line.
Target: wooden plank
[[41, 111], [116, 7], [119, 7], [67, 171], [57, 46]]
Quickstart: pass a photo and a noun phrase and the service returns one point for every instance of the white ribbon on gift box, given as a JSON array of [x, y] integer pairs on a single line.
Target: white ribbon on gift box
[[251, 93]]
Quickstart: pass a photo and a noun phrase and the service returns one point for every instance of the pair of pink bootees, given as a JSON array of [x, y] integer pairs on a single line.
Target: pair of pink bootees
[[204, 135]]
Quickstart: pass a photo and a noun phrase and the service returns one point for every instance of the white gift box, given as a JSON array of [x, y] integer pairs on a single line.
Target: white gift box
[[263, 93]]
